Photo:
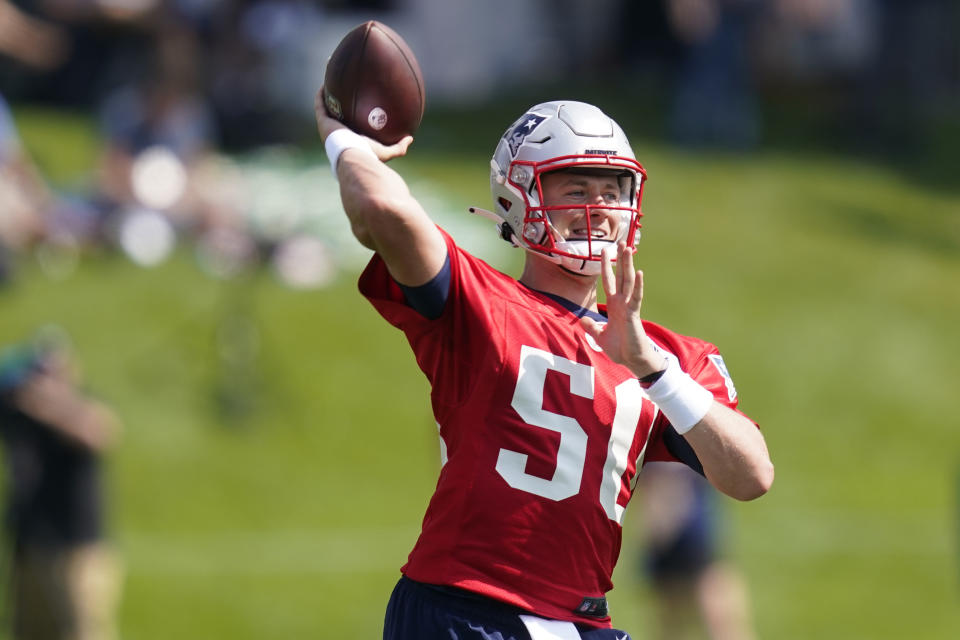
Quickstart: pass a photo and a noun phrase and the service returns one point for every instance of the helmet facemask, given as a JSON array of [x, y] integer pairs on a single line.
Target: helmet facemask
[[581, 254]]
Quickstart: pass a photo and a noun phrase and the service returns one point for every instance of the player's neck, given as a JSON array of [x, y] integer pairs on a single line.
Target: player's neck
[[547, 277]]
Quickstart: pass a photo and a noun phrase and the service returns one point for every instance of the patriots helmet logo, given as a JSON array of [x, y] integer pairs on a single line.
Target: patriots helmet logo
[[524, 127]]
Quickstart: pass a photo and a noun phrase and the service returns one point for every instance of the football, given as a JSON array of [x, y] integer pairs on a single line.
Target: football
[[373, 84]]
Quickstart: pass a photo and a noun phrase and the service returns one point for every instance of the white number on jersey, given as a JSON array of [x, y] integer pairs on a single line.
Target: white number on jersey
[[571, 454]]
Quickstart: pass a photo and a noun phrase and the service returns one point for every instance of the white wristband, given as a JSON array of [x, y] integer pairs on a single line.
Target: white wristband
[[682, 399], [341, 140]]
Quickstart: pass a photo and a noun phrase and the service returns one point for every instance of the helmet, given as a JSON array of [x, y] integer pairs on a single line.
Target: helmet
[[562, 135]]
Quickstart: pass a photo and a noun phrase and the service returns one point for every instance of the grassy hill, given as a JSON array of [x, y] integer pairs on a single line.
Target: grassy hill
[[276, 493]]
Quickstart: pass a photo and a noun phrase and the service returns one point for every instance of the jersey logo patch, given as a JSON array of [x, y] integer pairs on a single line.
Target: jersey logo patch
[[721, 366], [520, 132], [593, 607]]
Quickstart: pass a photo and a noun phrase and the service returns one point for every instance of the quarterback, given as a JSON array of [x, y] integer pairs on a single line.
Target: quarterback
[[548, 403]]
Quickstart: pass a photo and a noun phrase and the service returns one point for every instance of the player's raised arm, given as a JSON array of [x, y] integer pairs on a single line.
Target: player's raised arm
[[383, 214], [374, 90]]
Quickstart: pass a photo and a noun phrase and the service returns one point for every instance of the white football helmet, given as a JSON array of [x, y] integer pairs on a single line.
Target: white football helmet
[[554, 136]]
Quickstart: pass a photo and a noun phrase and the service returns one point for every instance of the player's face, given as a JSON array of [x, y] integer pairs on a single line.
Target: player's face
[[578, 190]]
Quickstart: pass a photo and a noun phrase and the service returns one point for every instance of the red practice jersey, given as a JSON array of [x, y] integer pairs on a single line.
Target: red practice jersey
[[543, 436]]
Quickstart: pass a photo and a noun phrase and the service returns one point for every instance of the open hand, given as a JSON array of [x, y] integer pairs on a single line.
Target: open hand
[[623, 337]]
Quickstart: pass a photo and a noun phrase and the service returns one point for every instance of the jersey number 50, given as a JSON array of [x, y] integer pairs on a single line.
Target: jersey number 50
[[571, 454]]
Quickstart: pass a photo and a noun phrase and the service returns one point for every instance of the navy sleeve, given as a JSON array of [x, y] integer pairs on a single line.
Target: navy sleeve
[[430, 299], [681, 449]]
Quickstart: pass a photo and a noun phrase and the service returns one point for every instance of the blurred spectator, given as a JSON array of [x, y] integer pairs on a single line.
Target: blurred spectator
[[881, 74], [24, 196], [162, 108], [160, 172], [698, 593], [912, 82], [264, 61], [34, 218], [105, 39], [32, 41], [714, 102], [65, 578]]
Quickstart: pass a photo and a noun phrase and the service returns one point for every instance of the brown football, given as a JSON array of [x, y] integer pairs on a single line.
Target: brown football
[[373, 83]]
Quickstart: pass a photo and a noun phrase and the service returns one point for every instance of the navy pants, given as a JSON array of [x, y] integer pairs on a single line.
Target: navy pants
[[423, 612]]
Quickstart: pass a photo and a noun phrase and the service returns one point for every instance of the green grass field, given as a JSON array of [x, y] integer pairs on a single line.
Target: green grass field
[[830, 284]]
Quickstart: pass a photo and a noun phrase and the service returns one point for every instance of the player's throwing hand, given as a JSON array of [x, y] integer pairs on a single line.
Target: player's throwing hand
[[327, 125]]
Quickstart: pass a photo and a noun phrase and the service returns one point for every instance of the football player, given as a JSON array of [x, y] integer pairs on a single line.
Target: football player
[[548, 403]]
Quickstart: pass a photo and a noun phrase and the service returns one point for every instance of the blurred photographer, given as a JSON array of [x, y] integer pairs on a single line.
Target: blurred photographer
[[64, 578], [697, 591]]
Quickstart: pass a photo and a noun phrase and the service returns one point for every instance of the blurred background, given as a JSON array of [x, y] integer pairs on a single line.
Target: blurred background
[[266, 448]]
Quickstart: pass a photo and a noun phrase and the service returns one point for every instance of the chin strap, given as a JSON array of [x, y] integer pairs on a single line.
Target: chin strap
[[581, 265]]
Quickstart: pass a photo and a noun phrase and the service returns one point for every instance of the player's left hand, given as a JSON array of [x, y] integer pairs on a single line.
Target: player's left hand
[[326, 124], [623, 337]]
